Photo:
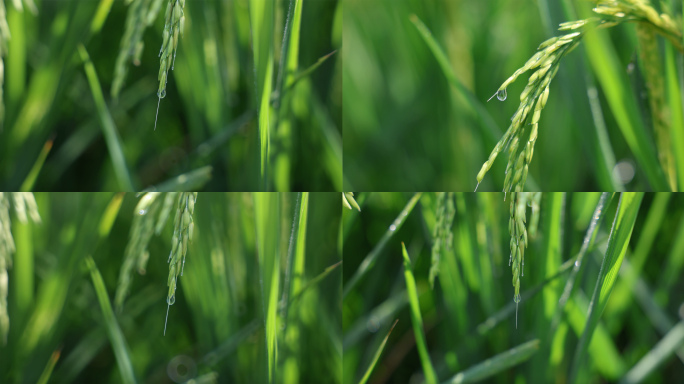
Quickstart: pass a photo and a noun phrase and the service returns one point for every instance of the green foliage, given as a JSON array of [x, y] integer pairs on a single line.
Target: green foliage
[[66, 128], [415, 93], [585, 244], [219, 327]]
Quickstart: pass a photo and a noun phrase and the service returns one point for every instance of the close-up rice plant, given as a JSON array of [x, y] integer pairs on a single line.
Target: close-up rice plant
[[601, 108], [169, 95], [170, 288], [525, 287]]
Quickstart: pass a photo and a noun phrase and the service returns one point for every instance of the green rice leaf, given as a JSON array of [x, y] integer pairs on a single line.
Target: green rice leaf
[[417, 320], [497, 364], [656, 356], [621, 232], [114, 333], [262, 21], [267, 217], [370, 260], [369, 371]]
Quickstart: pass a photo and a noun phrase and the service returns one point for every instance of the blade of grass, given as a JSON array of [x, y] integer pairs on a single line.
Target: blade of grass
[[314, 281], [267, 217], [289, 61], [417, 320], [676, 114], [587, 244], [228, 346], [305, 73], [296, 252], [101, 15], [292, 288], [497, 364], [480, 111], [116, 337], [366, 376], [289, 57], [622, 294], [370, 259], [190, 181], [601, 348], [379, 315], [675, 260], [628, 208], [30, 180], [108, 127], [656, 356], [464, 244], [262, 21], [45, 376], [509, 309], [552, 231]]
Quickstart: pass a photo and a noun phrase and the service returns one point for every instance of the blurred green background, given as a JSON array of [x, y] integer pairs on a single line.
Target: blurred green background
[[207, 119], [216, 327], [469, 315], [407, 129]]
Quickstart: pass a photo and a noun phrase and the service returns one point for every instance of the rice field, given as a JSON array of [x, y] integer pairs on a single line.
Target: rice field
[[128, 95], [257, 300], [600, 108], [600, 290], [203, 146]]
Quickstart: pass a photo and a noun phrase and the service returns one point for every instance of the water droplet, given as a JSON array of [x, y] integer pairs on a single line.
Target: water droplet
[[392, 227], [501, 94], [171, 300], [161, 94], [142, 212], [577, 263]]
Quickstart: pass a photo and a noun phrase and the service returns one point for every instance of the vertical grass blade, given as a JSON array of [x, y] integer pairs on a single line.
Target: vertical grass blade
[[618, 241], [656, 356], [262, 21], [30, 180], [113, 331], [45, 376], [417, 320], [366, 375], [674, 96], [293, 286], [108, 127], [267, 217], [497, 363], [289, 62], [369, 260]]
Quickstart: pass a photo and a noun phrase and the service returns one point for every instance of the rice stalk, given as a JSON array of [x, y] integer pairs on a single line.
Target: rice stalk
[[183, 228], [141, 14], [347, 199], [173, 30], [143, 227], [519, 236], [443, 237], [24, 207], [649, 56], [521, 136]]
